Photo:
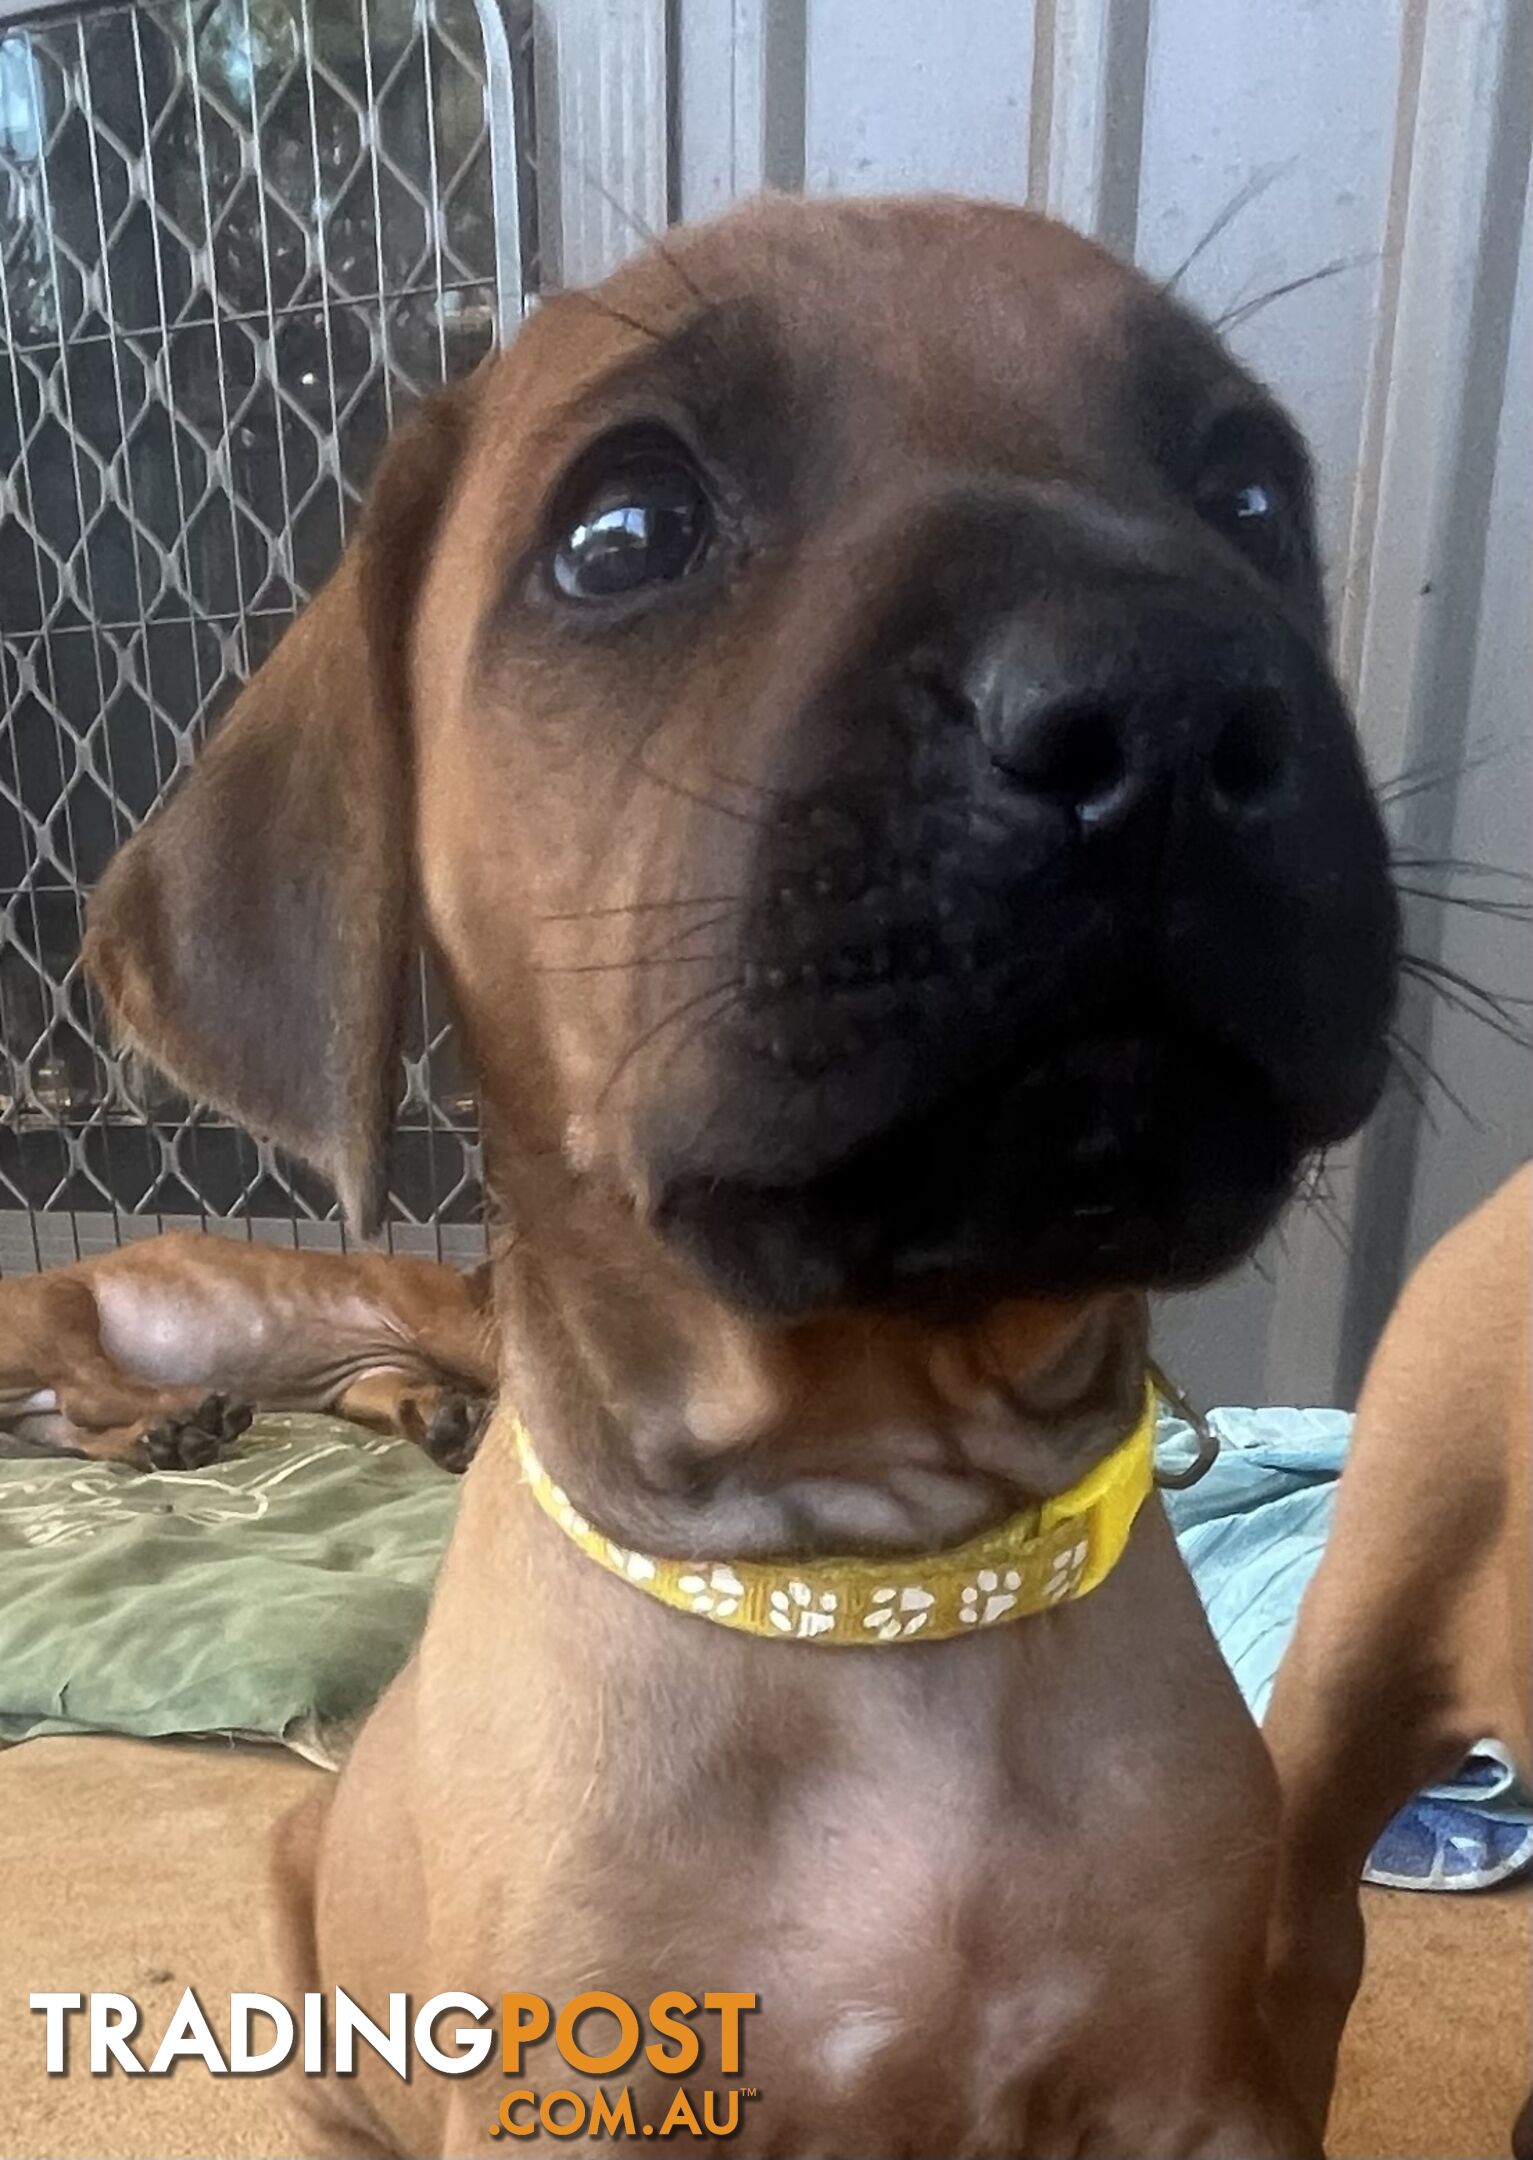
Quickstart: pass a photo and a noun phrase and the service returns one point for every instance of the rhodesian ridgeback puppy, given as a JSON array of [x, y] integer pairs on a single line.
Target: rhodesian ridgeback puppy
[[846, 700], [158, 1353], [1415, 1637]]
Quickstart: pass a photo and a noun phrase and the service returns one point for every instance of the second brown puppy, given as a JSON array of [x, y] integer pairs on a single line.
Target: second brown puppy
[[159, 1352], [1415, 1638]]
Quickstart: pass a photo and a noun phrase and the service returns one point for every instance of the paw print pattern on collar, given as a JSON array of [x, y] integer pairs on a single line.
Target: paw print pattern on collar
[[1041, 1558]]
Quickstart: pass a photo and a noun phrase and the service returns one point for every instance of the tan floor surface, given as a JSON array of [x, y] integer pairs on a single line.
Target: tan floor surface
[[133, 1866]]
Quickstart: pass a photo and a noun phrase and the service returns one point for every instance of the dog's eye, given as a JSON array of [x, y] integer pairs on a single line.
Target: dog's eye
[[646, 521], [1250, 505], [1257, 516], [1253, 487]]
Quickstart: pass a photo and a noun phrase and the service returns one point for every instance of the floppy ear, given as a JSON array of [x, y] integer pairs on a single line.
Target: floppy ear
[[251, 940]]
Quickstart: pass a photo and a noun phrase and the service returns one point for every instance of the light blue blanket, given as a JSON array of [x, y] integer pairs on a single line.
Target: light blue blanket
[[1251, 1532]]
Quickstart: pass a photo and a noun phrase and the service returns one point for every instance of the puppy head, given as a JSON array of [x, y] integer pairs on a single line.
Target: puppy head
[[849, 699]]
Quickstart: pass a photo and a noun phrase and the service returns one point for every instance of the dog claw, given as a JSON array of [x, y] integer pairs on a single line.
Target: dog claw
[[195, 1438]]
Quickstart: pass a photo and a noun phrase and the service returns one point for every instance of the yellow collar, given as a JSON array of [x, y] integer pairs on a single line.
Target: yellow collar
[[1056, 1550]]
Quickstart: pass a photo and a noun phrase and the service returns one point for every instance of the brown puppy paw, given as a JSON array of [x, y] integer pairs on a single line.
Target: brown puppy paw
[[197, 1437], [452, 1432]]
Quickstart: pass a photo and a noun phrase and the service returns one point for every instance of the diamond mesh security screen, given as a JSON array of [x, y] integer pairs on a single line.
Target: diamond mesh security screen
[[236, 237]]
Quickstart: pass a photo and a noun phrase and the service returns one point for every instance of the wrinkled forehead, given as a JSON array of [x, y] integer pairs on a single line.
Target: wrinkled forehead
[[976, 333]]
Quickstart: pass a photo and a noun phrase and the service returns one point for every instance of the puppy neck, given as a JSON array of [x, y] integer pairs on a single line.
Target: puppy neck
[[681, 1427]]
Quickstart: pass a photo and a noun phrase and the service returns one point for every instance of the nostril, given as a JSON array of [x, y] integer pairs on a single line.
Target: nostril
[[1073, 756], [1249, 758]]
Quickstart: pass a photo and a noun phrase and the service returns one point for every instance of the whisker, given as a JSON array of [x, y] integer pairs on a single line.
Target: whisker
[[1472, 903], [690, 1035], [1499, 1022], [1459, 866], [642, 229], [1412, 1086], [1234, 317], [697, 929], [683, 277], [667, 1019], [1333, 1224], [1242, 199], [1401, 1047], [1413, 780], [755, 787], [1315, 1196], [1500, 1002], [619, 315], [1320, 1194], [1503, 1028], [644, 907], [695, 795], [662, 955], [632, 966]]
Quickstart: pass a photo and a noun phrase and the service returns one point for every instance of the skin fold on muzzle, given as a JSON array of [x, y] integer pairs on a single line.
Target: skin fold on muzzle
[[846, 704]]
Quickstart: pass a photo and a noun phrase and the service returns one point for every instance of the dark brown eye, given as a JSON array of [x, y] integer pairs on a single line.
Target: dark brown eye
[[1250, 504], [647, 520], [1252, 488], [1257, 516]]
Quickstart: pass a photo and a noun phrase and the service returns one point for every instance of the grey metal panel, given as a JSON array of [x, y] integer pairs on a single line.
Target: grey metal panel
[[907, 95], [601, 75], [1488, 941]]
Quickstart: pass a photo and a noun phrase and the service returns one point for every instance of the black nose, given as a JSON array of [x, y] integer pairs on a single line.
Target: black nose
[[1104, 756]]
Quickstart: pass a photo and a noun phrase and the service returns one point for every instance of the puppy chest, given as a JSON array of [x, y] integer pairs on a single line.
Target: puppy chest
[[898, 1980], [905, 2057]]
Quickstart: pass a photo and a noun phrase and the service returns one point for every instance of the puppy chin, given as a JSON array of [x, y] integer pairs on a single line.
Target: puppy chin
[[1103, 1174], [775, 1254]]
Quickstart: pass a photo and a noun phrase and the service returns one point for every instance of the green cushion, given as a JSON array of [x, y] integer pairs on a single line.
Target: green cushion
[[272, 1596]]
